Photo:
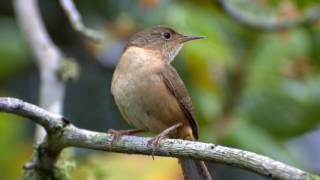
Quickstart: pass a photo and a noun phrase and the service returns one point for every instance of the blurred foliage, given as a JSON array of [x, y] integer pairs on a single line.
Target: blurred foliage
[[14, 151], [94, 167], [12, 51], [251, 89]]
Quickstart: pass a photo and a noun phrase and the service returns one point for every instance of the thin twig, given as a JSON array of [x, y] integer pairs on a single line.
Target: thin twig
[[77, 23], [310, 16], [68, 135]]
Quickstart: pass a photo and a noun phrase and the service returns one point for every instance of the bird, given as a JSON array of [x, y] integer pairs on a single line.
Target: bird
[[151, 95]]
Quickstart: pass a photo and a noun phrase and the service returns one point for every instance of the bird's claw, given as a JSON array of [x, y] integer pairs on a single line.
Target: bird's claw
[[116, 135], [154, 142]]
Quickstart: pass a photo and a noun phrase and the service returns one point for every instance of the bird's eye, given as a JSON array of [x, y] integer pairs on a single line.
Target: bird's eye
[[166, 35]]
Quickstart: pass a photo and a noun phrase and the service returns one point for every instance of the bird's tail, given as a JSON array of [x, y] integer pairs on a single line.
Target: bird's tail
[[194, 170]]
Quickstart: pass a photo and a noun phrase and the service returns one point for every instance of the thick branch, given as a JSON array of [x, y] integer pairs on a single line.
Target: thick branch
[[311, 15], [67, 135], [38, 115], [77, 23], [52, 88]]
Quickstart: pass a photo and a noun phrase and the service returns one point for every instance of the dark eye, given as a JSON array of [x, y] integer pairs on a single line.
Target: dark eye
[[166, 35]]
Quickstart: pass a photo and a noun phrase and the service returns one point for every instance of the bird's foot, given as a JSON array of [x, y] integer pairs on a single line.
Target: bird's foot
[[117, 134], [164, 134], [154, 142]]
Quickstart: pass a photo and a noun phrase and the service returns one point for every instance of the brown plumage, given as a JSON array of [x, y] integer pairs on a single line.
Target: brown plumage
[[151, 95], [176, 87]]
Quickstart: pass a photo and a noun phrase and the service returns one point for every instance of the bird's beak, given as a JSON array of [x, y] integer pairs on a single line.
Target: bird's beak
[[190, 38]]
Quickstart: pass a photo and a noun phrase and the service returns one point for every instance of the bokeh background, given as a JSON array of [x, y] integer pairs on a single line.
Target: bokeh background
[[252, 89]]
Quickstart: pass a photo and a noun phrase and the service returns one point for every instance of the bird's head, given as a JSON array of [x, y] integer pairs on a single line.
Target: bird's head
[[163, 39]]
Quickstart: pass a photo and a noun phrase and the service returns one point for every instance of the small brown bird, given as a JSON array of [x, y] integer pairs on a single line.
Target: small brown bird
[[150, 94]]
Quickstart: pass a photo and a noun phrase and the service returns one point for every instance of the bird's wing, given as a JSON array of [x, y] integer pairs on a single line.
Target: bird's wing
[[177, 88]]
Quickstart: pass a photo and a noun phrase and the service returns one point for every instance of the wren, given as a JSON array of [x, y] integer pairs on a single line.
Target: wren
[[150, 93]]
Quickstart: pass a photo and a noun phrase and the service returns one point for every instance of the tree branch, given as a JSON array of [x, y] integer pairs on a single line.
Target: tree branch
[[62, 134], [77, 23], [311, 15]]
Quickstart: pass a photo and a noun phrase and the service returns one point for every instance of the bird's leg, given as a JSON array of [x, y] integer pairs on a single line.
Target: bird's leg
[[116, 134], [164, 134]]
